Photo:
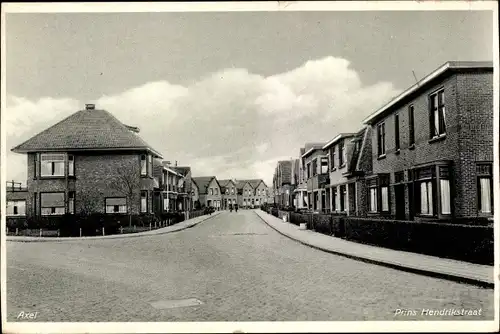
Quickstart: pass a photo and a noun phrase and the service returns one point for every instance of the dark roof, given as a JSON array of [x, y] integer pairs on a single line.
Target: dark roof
[[203, 182], [431, 79], [312, 147], [86, 130], [181, 170], [253, 182], [224, 182]]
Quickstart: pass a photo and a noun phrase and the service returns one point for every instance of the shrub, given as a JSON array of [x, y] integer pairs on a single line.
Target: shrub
[[456, 241], [322, 223]]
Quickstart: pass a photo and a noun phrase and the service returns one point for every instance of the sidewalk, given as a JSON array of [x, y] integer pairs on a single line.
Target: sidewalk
[[413, 262], [169, 229]]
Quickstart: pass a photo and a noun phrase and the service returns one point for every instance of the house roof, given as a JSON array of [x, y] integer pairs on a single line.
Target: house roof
[[337, 138], [440, 72], [310, 148], [183, 170], [253, 182], [87, 130], [203, 182]]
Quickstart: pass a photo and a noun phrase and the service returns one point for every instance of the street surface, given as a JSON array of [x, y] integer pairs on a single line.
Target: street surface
[[232, 267]]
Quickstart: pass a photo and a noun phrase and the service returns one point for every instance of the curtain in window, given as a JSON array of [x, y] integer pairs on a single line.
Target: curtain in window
[[385, 198], [144, 203], [373, 199], [445, 197], [485, 186], [424, 207], [45, 168], [143, 165], [346, 199], [71, 166], [52, 200], [430, 198]]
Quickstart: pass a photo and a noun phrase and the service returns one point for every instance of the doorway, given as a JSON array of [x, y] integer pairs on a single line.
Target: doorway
[[399, 192]]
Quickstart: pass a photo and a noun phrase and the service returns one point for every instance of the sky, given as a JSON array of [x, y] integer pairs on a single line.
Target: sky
[[227, 93]]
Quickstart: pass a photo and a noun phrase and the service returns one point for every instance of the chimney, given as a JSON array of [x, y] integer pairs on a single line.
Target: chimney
[[175, 163], [89, 106]]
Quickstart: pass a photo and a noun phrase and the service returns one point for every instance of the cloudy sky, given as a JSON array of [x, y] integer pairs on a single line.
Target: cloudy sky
[[230, 93]]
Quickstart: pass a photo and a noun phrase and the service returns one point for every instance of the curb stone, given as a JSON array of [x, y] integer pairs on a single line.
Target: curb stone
[[420, 271], [112, 236]]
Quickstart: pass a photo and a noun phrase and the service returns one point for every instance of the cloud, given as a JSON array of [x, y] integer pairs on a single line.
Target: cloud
[[231, 123]]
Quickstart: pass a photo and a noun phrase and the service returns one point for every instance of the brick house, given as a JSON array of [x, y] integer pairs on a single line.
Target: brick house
[[173, 190], [229, 193], [340, 154], [208, 191], [282, 184], [254, 193], [433, 147], [89, 162], [316, 162]]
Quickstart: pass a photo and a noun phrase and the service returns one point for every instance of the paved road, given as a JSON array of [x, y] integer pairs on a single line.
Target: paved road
[[238, 267]]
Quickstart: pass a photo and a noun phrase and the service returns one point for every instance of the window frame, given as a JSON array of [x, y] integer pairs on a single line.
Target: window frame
[[71, 163], [381, 150], [144, 197], [114, 212], [411, 125], [15, 208], [397, 139], [332, 157], [489, 176], [71, 202], [438, 111], [52, 165], [53, 207], [341, 146], [143, 164]]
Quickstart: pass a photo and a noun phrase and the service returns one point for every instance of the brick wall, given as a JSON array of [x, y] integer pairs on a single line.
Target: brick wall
[[96, 176]]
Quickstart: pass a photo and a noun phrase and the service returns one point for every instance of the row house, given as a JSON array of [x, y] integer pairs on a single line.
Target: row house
[[253, 193], [425, 155], [229, 193], [316, 162], [173, 190], [207, 192], [89, 162], [282, 184], [433, 147]]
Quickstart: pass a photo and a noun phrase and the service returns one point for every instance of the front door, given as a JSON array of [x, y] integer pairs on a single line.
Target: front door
[[399, 192]]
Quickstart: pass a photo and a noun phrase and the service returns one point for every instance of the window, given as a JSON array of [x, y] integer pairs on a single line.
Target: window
[[484, 188], [308, 170], [71, 165], [216, 191], [334, 199], [411, 125], [381, 139], [52, 164], [396, 131], [232, 191], [144, 201], [16, 208], [227, 191], [437, 114], [150, 165], [341, 153], [343, 198], [315, 167], [71, 202], [36, 163], [165, 203], [211, 191], [52, 203], [116, 205], [143, 165], [425, 187], [373, 199], [384, 194], [324, 165], [332, 157]]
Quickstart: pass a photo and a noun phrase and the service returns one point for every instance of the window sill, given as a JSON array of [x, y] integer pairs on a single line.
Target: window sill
[[342, 166], [380, 157], [437, 138], [51, 177]]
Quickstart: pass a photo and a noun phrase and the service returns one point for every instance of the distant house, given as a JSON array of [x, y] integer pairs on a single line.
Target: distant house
[[89, 162], [254, 193], [208, 191], [229, 193], [282, 184]]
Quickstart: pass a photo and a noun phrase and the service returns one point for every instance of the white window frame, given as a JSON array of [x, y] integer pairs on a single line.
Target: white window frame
[[144, 201], [426, 198], [14, 205], [54, 210], [373, 193], [144, 165], [121, 208], [71, 165], [47, 163]]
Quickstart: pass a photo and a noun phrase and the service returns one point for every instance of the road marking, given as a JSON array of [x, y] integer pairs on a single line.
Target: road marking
[[166, 304]]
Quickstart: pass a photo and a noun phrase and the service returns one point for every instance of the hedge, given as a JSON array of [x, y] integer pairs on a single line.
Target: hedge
[[449, 240]]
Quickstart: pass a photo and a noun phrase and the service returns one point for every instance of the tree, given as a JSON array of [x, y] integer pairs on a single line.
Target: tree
[[88, 201], [128, 184]]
